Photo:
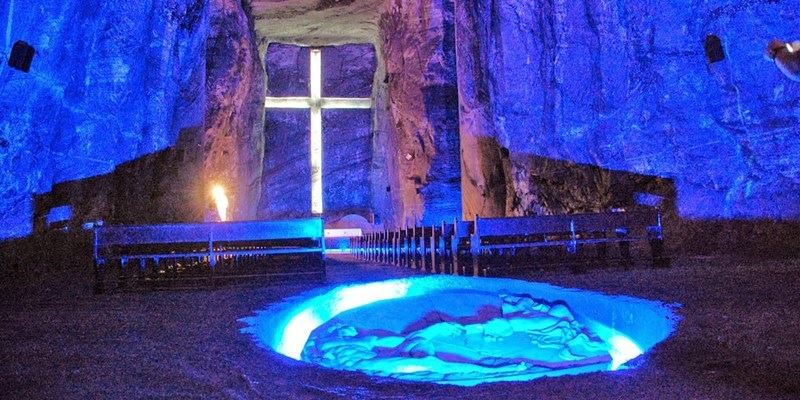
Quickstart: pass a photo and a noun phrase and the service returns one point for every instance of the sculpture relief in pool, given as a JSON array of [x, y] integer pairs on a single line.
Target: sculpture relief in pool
[[463, 331]]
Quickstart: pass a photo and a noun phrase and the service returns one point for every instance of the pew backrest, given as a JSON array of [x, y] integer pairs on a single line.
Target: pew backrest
[[117, 241], [621, 225], [522, 226]]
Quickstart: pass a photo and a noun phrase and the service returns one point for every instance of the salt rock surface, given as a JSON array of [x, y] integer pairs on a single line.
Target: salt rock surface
[[119, 81], [625, 86], [479, 336]]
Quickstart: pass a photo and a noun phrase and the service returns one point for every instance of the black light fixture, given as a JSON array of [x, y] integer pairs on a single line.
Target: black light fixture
[[21, 56], [713, 47]]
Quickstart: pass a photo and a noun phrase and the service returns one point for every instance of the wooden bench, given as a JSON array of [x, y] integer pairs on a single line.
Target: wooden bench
[[503, 235], [243, 249]]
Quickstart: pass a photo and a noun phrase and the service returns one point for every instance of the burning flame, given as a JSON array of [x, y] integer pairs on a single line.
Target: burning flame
[[221, 200]]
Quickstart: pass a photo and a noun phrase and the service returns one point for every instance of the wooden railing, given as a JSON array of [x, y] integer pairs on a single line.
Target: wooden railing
[[475, 247], [209, 244]]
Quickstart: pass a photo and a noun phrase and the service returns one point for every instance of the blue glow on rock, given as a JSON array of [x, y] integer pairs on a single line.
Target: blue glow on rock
[[301, 320], [462, 331]]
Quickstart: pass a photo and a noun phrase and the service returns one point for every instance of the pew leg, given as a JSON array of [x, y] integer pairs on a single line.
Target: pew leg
[[657, 251], [625, 253], [602, 254], [212, 272], [577, 266], [99, 286], [122, 279]]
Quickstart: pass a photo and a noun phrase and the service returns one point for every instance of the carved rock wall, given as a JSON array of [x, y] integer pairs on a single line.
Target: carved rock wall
[[625, 86], [233, 141], [173, 84], [418, 46]]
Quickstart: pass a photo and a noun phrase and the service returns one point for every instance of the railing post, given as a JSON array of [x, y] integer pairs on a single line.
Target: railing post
[[212, 260], [656, 236], [99, 265], [433, 246], [475, 248], [454, 248], [572, 248], [624, 247]]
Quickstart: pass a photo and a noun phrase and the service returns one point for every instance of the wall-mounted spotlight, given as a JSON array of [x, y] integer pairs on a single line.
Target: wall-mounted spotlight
[[21, 56], [713, 48]]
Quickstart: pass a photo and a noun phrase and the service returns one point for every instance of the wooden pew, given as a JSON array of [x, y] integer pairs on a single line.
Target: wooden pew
[[396, 247], [434, 251], [497, 235], [252, 244]]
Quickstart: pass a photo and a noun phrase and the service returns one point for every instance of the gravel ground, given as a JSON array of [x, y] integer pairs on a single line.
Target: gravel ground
[[737, 340]]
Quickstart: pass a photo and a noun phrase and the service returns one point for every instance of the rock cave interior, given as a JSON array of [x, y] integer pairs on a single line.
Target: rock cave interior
[[383, 114]]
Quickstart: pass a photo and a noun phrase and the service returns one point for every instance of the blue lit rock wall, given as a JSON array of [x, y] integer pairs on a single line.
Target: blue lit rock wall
[[347, 134], [117, 81], [625, 86]]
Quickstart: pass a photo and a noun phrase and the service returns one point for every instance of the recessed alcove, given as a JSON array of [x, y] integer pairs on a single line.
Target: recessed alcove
[[413, 114], [344, 75]]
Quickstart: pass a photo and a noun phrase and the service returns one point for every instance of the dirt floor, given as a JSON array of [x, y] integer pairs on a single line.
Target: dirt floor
[[738, 340]]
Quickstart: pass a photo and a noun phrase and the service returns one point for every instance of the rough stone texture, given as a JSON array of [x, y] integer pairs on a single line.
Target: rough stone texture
[[287, 170], [564, 107], [419, 51], [317, 22], [113, 82], [233, 140], [121, 86], [347, 163], [625, 86]]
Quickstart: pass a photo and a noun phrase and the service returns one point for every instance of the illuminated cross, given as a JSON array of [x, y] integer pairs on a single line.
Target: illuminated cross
[[316, 103]]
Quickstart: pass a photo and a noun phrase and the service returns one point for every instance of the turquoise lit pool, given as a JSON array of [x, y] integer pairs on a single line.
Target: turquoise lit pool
[[462, 331]]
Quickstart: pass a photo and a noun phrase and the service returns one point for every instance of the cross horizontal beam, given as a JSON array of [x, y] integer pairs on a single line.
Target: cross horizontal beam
[[325, 102]]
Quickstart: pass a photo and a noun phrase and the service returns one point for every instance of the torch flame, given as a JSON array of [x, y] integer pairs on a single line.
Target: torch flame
[[221, 201]]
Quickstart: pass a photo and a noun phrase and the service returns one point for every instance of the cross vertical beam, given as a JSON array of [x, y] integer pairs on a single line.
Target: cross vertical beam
[[315, 83], [315, 103]]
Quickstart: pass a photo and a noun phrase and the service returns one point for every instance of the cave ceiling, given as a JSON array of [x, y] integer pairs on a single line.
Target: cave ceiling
[[317, 22]]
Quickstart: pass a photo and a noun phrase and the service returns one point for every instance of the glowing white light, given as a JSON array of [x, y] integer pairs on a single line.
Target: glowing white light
[[315, 102], [221, 201], [343, 233], [296, 333], [622, 350], [352, 297], [410, 369]]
